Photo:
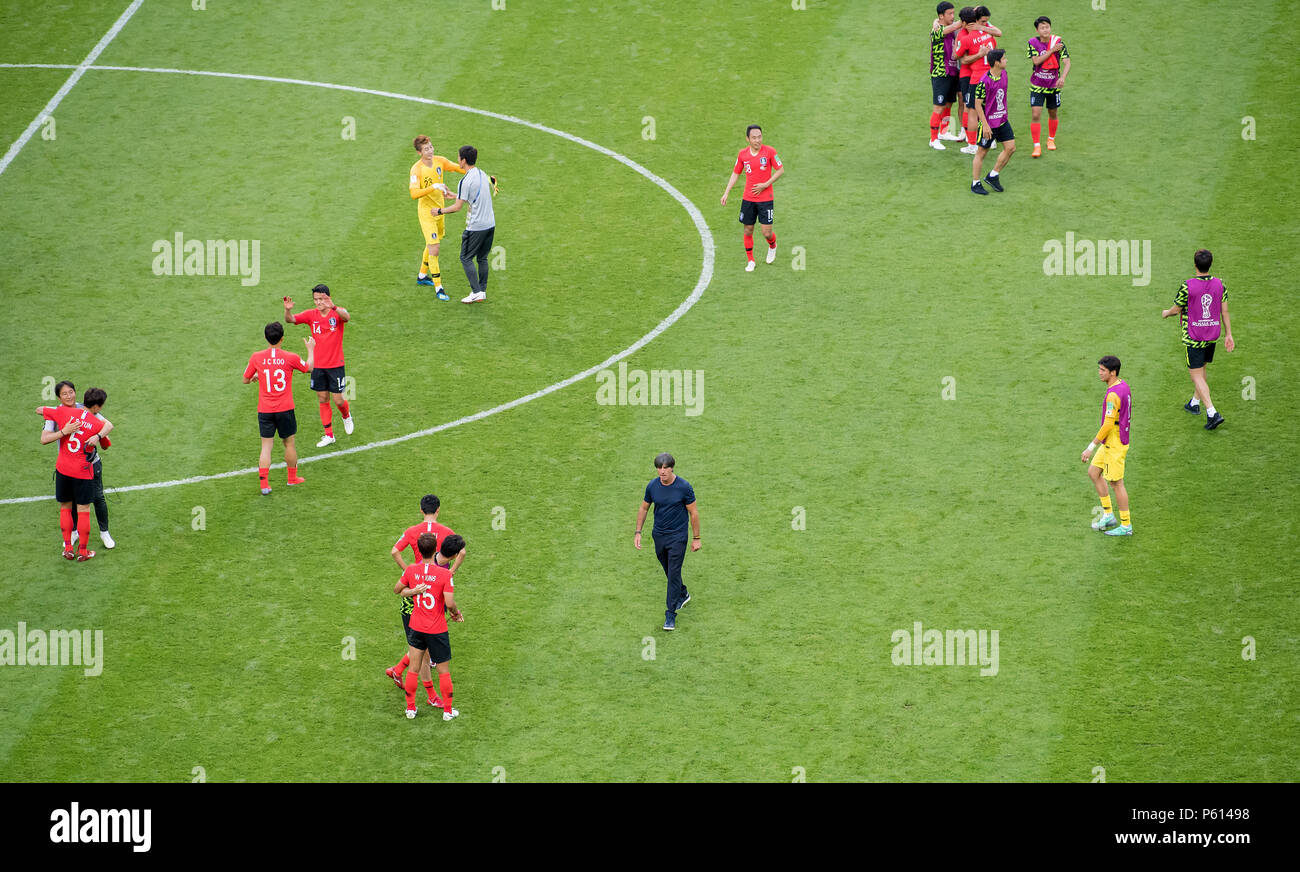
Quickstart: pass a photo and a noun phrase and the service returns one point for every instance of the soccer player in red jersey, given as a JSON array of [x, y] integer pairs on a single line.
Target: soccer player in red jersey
[[273, 368], [327, 377], [430, 584], [79, 433], [761, 167], [430, 505], [973, 44]]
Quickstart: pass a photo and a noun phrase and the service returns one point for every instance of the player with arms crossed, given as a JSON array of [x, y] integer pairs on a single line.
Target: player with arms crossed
[[273, 369], [992, 108], [761, 167], [943, 73], [1199, 304], [1046, 78], [430, 584], [78, 432], [328, 377], [1108, 465], [430, 192], [430, 505]]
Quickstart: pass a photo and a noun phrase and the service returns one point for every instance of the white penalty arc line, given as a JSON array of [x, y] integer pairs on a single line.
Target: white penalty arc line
[[706, 269]]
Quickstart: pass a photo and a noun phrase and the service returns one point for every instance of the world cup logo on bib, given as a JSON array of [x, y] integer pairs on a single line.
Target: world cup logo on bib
[[1206, 299]]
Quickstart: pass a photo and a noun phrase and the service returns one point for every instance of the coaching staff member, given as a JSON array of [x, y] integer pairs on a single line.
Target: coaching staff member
[[476, 189], [674, 501]]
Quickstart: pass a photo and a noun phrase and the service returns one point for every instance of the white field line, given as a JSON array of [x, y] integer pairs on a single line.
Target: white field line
[[706, 269]]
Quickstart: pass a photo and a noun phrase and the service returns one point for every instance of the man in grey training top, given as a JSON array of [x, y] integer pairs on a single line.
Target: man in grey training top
[[476, 189]]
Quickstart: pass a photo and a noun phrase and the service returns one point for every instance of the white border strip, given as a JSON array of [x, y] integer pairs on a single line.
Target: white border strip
[[77, 72], [706, 269]]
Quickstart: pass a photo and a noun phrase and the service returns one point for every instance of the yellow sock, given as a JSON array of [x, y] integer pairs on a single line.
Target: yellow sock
[[435, 272], [1105, 503], [424, 263], [1123, 518]]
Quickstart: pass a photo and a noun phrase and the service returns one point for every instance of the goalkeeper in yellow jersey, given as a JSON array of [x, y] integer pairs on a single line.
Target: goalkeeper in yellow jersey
[[428, 189]]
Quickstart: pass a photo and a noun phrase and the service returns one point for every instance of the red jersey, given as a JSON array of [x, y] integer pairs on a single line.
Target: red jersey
[[413, 534], [72, 460], [428, 615], [273, 368], [757, 169], [972, 42], [327, 330]]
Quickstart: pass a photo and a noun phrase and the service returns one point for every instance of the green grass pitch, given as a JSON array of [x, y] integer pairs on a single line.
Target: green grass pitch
[[890, 424]]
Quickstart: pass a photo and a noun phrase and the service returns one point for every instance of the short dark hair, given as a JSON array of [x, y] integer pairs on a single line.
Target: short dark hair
[[58, 389], [1042, 19], [426, 544], [321, 289], [996, 55], [429, 504], [420, 142], [94, 397], [967, 15], [1203, 259], [752, 128], [469, 154], [1111, 362], [452, 545], [944, 7], [274, 332], [983, 12], [664, 461]]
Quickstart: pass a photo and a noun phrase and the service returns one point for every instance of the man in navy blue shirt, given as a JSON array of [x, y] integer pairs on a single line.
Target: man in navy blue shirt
[[674, 502]]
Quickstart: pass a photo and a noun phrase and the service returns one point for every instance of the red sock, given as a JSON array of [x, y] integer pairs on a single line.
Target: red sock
[[428, 688], [263, 473], [326, 418], [292, 473], [343, 409], [947, 113], [83, 531], [1051, 128], [771, 243], [1035, 131], [749, 246], [444, 682], [409, 687], [66, 525], [934, 124], [965, 113], [970, 136], [402, 664]]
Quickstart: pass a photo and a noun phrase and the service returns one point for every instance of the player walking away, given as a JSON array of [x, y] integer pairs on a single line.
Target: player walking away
[[761, 167], [1108, 465], [328, 378], [674, 500], [273, 369], [78, 432], [1051, 64], [429, 190], [974, 42], [431, 586], [943, 72], [430, 505], [1201, 303], [992, 107], [476, 189]]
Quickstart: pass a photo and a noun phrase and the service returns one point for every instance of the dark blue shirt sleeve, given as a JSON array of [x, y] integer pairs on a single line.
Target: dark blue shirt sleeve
[[647, 493], [690, 496]]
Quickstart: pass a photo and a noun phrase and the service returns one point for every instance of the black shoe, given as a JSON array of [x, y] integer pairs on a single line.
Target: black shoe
[[1211, 423], [682, 603], [993, 180], [1194, 408], [977, 188]]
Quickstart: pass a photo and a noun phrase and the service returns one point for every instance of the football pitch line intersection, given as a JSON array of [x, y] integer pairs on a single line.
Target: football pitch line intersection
[[701, 226]]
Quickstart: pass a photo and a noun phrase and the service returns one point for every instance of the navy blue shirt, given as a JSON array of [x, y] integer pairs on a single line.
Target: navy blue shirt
[[670, 501]]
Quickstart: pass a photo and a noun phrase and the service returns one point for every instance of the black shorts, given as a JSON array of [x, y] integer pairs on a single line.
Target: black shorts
[[73, 490], [968, 91], [1050, 99], [1001, 133], [755, 213], [271, 423], [406, 627], [329, 378], [1199, 357], [944, 89], [437, 644]]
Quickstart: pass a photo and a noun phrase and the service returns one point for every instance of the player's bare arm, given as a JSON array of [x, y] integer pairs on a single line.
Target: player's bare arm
[[1171, 311], [48, 436], [455, 564], [956, 25], [311, 352], [409, 592], [645, 507], [695, 526], [989, 29], [1065, 71], [730, 183], [397, 556], [1228, 342], [288, 310], [449, 599]]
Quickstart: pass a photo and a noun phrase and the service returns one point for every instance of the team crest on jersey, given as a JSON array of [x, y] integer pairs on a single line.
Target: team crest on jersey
[[762, 163], [333, 321]]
